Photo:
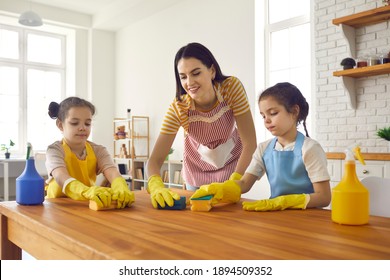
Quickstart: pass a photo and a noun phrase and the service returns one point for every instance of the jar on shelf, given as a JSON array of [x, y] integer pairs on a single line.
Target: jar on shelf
[[384, 57], [372, 60], [361, 62]]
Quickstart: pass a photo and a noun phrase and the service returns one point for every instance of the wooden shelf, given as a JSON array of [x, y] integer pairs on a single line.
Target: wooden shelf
[[137, 147], [348, 25], [365, 18], [379, 69], [366, 156]]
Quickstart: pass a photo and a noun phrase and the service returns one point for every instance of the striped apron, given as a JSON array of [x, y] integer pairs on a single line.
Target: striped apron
[[212, 145]]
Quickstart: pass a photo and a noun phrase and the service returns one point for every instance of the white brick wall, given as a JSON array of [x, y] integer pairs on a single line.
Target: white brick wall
[[337, 124]]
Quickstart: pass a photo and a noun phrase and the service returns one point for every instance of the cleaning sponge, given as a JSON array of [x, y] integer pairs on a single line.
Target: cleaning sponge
[[201, 204], [178, 205], [94, 206]]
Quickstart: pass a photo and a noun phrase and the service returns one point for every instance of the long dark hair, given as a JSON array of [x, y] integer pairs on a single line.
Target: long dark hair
[[60, 111], [289, 95], [200, 52]]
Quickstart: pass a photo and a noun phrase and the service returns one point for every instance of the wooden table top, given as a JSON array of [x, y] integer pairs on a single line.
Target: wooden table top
[[66, 229]]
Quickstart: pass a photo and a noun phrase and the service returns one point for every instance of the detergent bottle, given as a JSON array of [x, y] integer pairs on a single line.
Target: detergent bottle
[[30, 186], [350, 199]]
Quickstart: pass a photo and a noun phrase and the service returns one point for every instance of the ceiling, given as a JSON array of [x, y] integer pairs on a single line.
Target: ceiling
[[89, 7], [111, 14]]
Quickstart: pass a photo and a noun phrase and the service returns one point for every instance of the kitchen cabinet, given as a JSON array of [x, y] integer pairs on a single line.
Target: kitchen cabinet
[[377, 164], [10, 169], [348, 25]]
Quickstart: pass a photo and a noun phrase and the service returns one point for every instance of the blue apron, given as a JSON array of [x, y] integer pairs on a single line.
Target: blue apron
[[286, 171]]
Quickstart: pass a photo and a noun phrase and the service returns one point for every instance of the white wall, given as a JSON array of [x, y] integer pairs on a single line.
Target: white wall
[[337, 124], [102, 85], [145, 53]]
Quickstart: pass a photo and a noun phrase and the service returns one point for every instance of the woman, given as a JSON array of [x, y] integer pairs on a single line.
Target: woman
[[219, 131]]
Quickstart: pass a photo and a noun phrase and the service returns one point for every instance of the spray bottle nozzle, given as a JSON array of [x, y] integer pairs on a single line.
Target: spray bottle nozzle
[[354, 150], [359, 155]]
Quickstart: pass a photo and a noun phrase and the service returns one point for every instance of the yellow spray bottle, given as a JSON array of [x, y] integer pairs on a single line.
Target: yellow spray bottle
[[350, 199]]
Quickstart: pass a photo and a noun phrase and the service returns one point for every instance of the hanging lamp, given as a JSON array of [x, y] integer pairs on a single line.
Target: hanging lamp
[[29, 18]]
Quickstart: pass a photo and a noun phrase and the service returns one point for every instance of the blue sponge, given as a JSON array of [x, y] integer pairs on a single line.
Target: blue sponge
[[178, 205]]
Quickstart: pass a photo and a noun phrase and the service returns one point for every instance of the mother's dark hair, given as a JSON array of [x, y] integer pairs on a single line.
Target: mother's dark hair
[[200, 52]]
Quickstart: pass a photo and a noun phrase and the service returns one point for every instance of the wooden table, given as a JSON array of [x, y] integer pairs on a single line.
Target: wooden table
[[67, 229]]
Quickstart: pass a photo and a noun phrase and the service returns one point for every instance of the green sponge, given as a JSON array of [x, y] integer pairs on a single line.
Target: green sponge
[[207, 197]]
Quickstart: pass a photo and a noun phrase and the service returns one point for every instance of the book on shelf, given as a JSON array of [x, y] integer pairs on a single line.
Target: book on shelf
[[176, 177], [122, 168], [181, 179], [165, 176], [139, 173]]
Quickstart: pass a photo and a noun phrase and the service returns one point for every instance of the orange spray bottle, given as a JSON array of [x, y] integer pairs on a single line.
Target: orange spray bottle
[[350, 199]]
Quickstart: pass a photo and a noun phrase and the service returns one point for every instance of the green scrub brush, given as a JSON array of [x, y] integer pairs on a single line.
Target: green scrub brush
[[29, 149]]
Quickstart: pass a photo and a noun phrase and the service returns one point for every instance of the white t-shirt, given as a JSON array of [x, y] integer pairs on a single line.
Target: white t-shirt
[[314, 159]]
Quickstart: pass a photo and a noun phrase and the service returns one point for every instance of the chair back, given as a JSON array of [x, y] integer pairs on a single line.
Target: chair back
[[40, 160], [379, 189]]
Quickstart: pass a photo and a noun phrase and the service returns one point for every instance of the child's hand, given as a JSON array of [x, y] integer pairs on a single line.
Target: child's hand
[[292, 201], [100, 195], [78, 191], [120, 192]]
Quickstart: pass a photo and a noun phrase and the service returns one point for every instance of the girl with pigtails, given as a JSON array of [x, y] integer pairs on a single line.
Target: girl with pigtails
[[295, 164]]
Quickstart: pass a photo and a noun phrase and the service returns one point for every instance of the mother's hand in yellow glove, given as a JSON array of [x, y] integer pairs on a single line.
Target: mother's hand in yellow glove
[[292, 201], [121, 193], [159, 194], [226, 192]]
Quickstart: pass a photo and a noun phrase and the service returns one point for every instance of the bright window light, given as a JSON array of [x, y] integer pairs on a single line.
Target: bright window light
[[32, 74]]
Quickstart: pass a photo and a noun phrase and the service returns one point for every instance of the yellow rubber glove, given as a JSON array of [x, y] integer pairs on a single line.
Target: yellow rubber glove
[[121, 193], [292, 201], [78, 191], [159, 194], [226, 192]]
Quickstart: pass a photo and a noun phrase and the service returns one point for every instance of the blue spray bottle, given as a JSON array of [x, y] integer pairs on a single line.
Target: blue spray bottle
[[30, 186]]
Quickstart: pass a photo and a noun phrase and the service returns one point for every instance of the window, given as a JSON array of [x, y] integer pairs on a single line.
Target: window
[[288, 53], [32, 74]]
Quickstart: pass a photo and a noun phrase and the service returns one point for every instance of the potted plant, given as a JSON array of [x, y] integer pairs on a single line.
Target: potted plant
[[170, 152], [384, 133], [6, 148]]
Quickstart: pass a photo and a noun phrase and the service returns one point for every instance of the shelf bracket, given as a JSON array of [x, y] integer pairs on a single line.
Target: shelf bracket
[[349, 35], [349, 85], [348, 82]]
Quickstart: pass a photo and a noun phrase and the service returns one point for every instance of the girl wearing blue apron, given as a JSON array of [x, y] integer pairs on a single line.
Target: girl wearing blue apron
[[295, 165]]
